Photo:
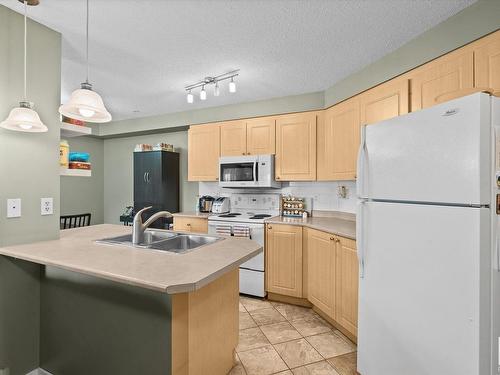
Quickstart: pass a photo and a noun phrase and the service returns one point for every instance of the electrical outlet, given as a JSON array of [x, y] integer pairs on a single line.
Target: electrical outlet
[[14, 207], [46, 206]]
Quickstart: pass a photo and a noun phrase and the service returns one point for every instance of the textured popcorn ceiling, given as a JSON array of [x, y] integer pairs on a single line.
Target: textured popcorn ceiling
[[143, 52]]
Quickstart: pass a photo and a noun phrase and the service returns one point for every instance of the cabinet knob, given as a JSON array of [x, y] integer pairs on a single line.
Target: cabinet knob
[[332, 238], [188, 224], [243, 153], [278, 177], [269, 227]]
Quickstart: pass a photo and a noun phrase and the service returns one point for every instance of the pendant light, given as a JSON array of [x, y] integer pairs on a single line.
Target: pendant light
[[24, 118], [85, 104]]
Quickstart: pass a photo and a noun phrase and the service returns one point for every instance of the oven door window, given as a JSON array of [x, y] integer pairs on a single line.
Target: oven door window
[[237, 172]]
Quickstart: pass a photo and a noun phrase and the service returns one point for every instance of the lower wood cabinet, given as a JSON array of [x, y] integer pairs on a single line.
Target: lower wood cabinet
[[190, 224], [321, 270], [347, 277], [320, 266], [332, 277], [283, 252]]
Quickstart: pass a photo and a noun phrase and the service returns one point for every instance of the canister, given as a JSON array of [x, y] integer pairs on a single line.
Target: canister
[[64, 153]]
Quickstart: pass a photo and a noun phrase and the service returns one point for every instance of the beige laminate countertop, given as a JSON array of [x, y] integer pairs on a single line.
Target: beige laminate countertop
[[336, 225], [200, 215], [157, 270]]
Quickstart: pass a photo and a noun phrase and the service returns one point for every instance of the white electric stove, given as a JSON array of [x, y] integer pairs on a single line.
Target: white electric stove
[[246, 218]]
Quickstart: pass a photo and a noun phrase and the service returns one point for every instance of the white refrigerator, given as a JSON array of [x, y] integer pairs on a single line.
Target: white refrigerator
[[427, 224]]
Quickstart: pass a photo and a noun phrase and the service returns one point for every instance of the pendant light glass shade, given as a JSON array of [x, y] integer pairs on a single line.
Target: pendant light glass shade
[[24, 119], [86, 105]]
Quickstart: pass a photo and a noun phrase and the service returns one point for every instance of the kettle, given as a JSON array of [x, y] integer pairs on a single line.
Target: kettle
[[205, 203]]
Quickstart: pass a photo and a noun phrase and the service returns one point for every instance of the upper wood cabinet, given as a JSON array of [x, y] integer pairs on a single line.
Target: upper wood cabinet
[[261, 136], [296, 147], [321, 270], [283, 253], [203, 152], [391, 99], [248, 137], [233, 138], [433, 82], [338, 141], [487, 62], [347, 275]]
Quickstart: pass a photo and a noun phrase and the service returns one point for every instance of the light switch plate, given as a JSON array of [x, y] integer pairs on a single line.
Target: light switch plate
[[14, 207], [46, 206]]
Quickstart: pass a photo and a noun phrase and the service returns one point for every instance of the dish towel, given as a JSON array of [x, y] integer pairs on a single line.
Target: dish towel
[[241, 231], [223, 230]]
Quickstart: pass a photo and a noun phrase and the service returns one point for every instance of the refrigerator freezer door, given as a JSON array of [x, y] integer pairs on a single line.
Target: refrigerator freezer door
[[419, 298], [440, 154]]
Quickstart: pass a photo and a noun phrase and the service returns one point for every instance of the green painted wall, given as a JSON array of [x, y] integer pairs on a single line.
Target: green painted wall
[[85, 194], [162, 123], [466, 26], [118, 172], [29, 167]]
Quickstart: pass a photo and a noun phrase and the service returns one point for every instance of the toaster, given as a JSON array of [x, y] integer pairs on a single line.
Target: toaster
[[220, 205]]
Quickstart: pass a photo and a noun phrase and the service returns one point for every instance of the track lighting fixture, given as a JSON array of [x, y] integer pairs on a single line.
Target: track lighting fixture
[[232, 86], [190, 97], [203, 93], [212, 81]]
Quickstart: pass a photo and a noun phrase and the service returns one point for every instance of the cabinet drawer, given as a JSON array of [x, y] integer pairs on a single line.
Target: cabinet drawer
[[191, 224]]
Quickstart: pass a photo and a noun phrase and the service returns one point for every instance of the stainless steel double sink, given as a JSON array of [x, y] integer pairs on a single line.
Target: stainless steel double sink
[[163, 240]]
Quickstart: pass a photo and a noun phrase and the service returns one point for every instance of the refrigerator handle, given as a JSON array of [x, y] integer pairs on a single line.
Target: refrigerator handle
[[360, 182], [360, 237]]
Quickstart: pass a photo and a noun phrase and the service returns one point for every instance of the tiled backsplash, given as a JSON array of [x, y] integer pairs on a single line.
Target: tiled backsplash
[[324, 194]]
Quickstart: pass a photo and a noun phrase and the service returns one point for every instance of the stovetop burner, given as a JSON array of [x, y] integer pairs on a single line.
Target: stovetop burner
[[260, 216], [228, 215]]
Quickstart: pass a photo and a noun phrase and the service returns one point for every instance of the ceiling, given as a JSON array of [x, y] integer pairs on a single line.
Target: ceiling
[[143, 52]]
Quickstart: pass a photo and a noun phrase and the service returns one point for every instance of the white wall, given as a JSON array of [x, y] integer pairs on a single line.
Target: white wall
[[323, 194]]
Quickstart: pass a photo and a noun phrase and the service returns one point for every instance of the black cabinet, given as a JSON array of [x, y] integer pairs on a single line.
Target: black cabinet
[[156, 183]]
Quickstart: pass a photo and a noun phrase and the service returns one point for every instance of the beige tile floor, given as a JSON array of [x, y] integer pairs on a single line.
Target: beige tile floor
[[277, 338]]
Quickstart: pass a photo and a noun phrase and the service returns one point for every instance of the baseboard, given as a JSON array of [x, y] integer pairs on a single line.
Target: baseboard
[[39, 371], [287, 299]]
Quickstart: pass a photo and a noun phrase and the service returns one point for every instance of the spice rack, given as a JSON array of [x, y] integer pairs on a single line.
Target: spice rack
[[292, 206]]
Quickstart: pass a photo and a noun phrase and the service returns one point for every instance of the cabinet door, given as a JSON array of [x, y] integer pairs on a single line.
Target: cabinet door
[[261, 136], [203, 152], [284, 259], [233, 138], [434, 82], [296, 147], [487, 63], [147, 165], [347, 285], [388, 100], [338, 141], [190, 224], [321, 260]]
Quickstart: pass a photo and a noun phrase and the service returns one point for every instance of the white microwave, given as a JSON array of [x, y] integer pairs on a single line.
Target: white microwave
[[255, 171]]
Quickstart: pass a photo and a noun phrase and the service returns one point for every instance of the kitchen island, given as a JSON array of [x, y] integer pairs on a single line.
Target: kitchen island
[[117, 309]]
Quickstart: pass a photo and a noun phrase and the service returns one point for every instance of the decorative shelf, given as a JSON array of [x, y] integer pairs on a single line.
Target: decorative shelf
[[76, 172], [71, 131]]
